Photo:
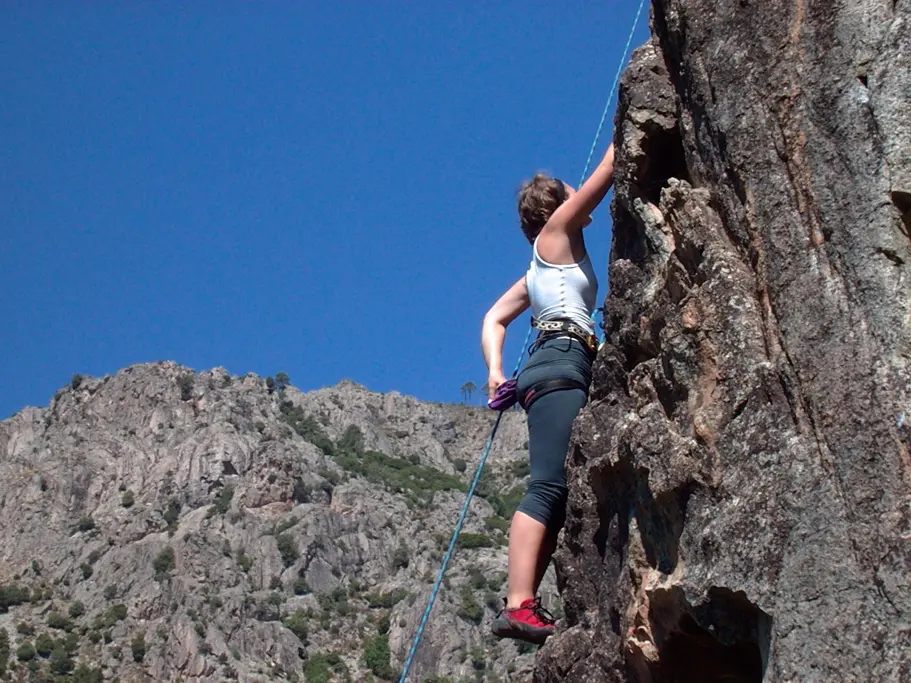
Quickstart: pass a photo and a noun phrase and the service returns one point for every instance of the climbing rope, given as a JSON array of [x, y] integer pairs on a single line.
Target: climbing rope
[[477, 475], [613, 90]]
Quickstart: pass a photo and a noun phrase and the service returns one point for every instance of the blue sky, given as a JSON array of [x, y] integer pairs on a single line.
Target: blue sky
[[324, 189]]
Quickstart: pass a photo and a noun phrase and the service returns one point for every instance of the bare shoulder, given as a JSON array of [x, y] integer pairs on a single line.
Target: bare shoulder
[[559, 247]]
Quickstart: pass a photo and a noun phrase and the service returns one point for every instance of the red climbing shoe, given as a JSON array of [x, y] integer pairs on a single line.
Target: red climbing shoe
[[529, 622]]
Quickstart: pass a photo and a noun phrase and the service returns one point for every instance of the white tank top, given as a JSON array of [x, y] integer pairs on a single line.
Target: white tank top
[[562, 292]]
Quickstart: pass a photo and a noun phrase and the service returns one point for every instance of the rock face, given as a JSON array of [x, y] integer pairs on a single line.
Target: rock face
[[163, 526], [740, 505]]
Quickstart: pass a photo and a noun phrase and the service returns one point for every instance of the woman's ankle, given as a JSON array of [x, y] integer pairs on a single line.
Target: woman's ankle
[[516, 600]]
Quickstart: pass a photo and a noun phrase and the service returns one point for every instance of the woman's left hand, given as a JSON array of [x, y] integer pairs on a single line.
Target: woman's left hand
[[494, 380]]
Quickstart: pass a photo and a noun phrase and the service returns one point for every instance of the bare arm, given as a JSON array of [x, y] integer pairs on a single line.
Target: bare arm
[[574, 213], [493, 331]]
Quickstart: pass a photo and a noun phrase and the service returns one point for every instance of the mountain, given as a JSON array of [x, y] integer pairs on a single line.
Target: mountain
[[161, 525]]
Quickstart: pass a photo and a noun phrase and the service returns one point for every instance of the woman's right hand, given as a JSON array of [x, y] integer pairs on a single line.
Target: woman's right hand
[[494, 380]]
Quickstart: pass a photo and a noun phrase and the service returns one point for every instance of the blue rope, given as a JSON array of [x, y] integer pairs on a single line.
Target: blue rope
[[613, 90], [610, 98], [458, 528], [477, 475]]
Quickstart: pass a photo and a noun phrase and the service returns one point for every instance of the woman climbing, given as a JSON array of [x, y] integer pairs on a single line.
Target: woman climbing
[[561, 289]]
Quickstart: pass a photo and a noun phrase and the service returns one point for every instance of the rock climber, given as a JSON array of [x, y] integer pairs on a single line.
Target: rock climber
[[560, 286]]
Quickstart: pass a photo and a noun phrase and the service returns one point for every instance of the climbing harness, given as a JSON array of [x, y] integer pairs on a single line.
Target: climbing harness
[[463, 514], [549, 329], [547, 386]]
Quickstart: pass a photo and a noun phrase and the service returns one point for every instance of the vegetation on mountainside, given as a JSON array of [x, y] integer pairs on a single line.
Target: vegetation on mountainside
[[376, 655], [214, 557], [306, 426]]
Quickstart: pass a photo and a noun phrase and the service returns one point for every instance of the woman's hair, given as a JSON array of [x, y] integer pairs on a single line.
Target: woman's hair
[[538, 199]]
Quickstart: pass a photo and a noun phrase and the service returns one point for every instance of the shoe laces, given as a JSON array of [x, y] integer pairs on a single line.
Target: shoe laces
[[534, 606], [542, 614]]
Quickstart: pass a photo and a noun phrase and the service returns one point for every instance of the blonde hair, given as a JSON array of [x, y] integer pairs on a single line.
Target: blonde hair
[[538, 199]]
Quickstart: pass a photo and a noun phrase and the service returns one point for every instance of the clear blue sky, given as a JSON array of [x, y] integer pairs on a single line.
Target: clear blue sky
[[324, 189]]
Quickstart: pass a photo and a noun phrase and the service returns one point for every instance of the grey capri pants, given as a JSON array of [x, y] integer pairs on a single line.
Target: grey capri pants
[[550, 421]]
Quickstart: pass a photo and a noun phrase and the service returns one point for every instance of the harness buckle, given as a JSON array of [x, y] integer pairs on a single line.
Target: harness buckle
[[568, 327]]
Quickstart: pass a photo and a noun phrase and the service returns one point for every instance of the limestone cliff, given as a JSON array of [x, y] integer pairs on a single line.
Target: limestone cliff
[[740, 504]]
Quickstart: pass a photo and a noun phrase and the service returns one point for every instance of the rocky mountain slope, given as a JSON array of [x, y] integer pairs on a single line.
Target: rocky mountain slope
[[740, 483], [158, 525]]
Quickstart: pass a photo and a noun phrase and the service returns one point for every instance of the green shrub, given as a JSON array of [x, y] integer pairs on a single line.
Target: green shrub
[[469, 609], [71, 642], [504, 504], [85, 523], [301, 587], [336, 601], [138, 646], [12, 595], [86, 570], [376, 655], [478, 658], [25, 629], [58, 621], [243, 561], [306, 426], [4, 651], [114, 614], [467, 540], [317, 669], [77, 609], [296, 622], [497, 524], [164, 564], [477, 578], [525, 648], [401, 557], [223, 500], [86, 674], [301, 492], [127, 499], [60, 661], [266, 611], [171, 513], [286, 524], [44, 644], [352, 441], [386, 600], [281, 381], [418, 482], [287, 548], [520, 469], [185, 384], [26, 652]]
